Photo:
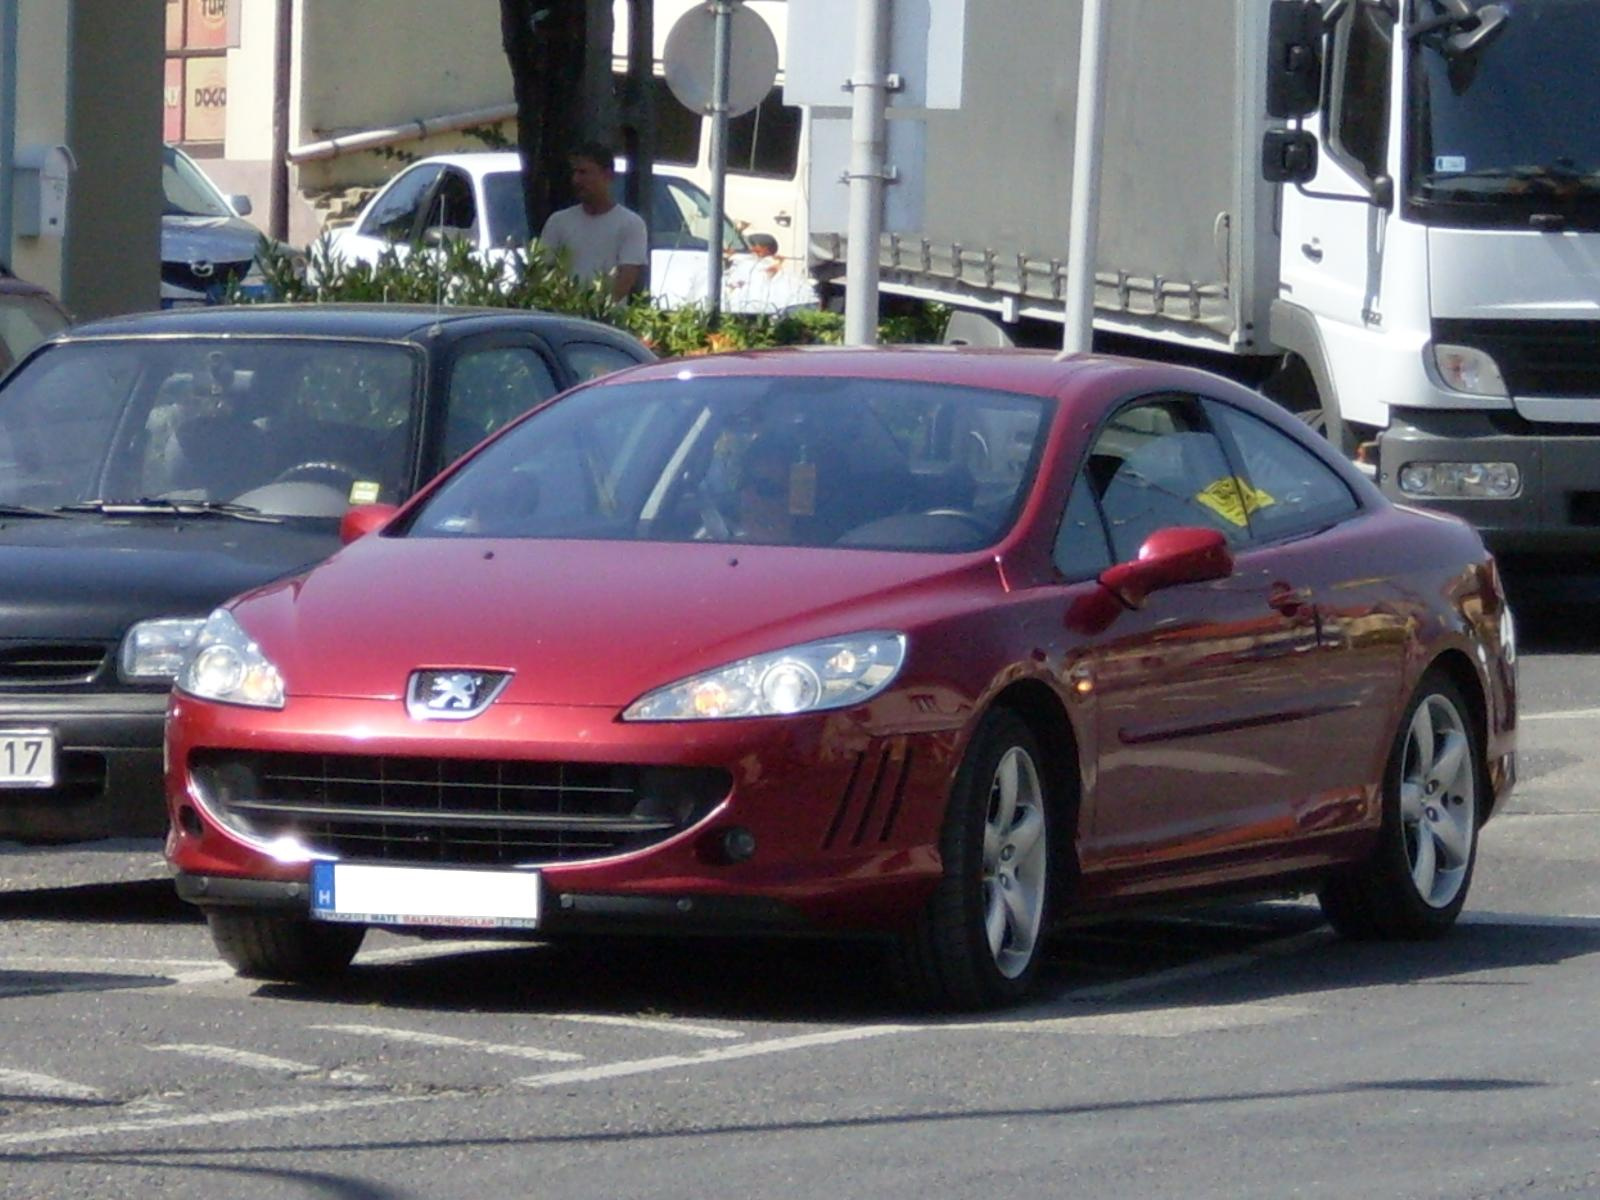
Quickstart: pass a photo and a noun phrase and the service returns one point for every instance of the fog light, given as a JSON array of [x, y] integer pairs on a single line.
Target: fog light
[[738, 845], [1460, 480]]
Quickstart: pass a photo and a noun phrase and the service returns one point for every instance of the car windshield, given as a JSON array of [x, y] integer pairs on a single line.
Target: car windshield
[[287, 426], [1497, 128], [25, 321], [798, 461], [186, 192]]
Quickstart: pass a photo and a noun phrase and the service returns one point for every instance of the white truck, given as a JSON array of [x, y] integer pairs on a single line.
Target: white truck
[[1407, 252]]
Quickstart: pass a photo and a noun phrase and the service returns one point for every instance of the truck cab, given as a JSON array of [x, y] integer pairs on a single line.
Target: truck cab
[[1440, 250]]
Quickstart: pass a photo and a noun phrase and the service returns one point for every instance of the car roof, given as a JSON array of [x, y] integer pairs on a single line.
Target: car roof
[[392, 322], [1028, 372], [493, 162]]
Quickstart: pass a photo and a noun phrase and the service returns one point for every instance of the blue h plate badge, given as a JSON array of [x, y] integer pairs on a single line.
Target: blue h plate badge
[[372, 894]]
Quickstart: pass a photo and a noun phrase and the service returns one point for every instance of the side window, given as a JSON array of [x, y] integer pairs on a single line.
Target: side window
[[1081, 550], [1286, 489], [765, 140], [590, 360], [488, 388], [1358, 130], [1155, 465], [394, 214], [453, 211]]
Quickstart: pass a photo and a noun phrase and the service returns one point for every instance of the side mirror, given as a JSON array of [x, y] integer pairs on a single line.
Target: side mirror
[[1294, 58], [1288, 156], [364, 519], [241, 204], [1169, 557]]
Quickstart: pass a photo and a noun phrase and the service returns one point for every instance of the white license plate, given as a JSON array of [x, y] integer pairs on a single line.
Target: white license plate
[[379, 895], [27, 758]]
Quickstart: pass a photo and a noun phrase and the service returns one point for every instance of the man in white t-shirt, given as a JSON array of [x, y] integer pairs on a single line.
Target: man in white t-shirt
[[599, 236]]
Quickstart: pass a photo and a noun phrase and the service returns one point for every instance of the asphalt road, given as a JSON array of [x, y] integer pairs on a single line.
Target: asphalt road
[[1237, 1052]]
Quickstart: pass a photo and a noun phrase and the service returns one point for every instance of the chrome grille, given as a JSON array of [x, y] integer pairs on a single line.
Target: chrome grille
[[454, 811], [42, 664]]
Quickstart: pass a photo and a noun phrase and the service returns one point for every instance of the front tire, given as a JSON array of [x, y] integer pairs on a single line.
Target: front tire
[[1415, 882], [284, 949], [978, 941]]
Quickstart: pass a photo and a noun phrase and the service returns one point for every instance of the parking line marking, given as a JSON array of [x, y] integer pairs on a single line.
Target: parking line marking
[[257, 1062], [1202, 969], [218, 972], [1159, 1023], [1535, 920], [46, 1087], [653, 1024], [1566, 714], [242, 1116], [667, 1062], [445, 1040]]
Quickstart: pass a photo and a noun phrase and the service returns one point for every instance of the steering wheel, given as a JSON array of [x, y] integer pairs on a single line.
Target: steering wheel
[[311, 469], [973, 522]]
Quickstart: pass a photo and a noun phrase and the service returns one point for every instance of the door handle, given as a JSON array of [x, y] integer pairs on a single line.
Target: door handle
[[783, 220], [1290, 601], [1312, 249]]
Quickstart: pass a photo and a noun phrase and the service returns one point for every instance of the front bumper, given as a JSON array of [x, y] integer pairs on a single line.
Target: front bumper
[[108, 750], [1557, 512], [844, 814]]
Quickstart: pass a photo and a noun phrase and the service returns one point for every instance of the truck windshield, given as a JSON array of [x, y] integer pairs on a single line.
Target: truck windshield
[[1506, 132]]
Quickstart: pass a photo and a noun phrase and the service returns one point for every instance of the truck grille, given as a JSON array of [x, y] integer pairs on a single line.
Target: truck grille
[[47, 664], [1536, 358], [465, 812]]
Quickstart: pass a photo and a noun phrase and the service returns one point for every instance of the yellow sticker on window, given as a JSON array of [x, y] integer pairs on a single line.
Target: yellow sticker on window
[[1232, 499], [365, 491]]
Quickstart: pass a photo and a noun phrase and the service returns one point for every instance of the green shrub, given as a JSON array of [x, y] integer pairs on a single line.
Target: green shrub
[[451, 273]]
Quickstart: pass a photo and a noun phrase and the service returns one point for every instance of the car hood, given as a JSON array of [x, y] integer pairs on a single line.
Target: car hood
[[578, 623], [92, 577], [208, 239]]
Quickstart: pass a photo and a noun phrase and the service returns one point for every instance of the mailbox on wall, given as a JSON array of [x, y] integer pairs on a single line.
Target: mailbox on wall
[[39, 176]]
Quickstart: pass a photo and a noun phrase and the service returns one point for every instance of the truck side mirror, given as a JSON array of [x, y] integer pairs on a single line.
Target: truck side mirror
[[1294, 58], [1288, 156]]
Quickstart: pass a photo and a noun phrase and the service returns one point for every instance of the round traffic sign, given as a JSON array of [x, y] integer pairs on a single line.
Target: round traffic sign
[[752, 59]]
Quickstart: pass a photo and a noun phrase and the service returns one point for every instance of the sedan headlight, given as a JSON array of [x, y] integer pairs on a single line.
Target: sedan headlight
[[818, 675], [1468, 369], [154, 651], [228, 667]]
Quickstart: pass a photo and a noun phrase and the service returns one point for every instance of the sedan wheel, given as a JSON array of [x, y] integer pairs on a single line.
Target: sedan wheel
[[1416, 880], [977, 943]]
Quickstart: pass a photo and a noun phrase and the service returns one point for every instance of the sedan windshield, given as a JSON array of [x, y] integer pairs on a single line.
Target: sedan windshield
[[285, 426], [1507, 130], [186, 192], [790, 461]]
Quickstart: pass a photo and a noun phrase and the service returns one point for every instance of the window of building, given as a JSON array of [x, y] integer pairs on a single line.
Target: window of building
[[195, 91]]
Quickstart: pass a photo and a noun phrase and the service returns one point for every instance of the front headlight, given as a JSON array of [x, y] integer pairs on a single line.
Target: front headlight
[[228, 667], [835, 673], [154, 651]]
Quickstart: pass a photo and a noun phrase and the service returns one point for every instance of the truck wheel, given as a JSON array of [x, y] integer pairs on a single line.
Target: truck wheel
[[978, 941], [1415, 881], [287, 949]]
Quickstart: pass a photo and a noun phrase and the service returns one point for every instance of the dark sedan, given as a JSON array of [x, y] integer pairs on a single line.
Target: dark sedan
[[940, 646], [153, 466]]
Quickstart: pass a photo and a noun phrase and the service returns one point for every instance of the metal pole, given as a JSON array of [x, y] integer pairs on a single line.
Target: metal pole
[[1078, 337], [282, 71], [8, 125], [868, 135], [722, 43]]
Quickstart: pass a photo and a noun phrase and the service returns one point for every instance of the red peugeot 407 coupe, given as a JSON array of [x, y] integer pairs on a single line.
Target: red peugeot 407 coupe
[[943, 645]]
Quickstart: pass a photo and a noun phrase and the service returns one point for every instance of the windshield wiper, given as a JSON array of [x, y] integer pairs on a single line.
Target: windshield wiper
[[182, 508]]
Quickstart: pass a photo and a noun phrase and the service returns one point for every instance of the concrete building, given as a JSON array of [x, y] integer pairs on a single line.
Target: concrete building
[[83, 75]]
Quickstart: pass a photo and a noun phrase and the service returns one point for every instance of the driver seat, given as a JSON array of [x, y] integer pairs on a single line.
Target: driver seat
[[223, 456]]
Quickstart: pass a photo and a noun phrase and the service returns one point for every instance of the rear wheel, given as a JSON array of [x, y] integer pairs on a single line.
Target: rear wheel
[[1415, 882], [288, 949], [978, 941]]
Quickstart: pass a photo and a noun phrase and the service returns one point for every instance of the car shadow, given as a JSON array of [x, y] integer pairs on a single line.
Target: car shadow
[[1251, 955], [144, 902]]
